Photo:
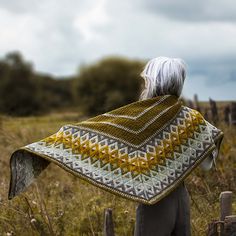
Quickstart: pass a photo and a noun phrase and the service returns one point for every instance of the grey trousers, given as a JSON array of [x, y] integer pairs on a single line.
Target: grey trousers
[[168, 217]]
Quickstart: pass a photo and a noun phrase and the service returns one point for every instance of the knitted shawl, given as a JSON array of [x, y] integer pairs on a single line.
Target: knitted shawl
[[140, 151]]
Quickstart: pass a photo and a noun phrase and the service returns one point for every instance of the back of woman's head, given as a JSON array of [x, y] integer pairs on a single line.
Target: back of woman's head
[[163, 76]]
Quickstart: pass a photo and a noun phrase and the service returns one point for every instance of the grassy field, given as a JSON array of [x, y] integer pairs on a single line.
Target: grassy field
[[60, 204]]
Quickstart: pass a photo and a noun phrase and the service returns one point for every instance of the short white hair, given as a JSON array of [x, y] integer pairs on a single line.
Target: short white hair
[[163, 76]]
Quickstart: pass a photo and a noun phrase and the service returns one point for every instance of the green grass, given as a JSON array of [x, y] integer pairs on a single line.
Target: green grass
[[58, 203]]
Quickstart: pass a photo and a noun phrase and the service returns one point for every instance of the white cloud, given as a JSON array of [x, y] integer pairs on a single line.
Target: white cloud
[[89, 21], [19, 31]]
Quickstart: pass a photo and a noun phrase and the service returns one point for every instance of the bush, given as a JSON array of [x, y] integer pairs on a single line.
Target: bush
[[108, 84]]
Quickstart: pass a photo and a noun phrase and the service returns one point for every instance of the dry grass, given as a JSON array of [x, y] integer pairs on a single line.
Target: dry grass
[[61, 204]]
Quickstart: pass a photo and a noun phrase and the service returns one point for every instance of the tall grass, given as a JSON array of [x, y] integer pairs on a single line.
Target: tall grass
[[58, 203]]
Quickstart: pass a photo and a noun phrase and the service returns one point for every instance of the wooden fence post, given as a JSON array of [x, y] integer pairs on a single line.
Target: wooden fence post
[[225, 204], [232, 116], [196, 103], [214, 111], [108, 223], [225, 207], [227, 114]]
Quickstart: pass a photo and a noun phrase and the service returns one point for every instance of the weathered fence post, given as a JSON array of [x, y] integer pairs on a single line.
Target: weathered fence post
[[225, 207], [232, 117], [108, 223], [227, 114], [214, 111], [225, 204], [196, 103]]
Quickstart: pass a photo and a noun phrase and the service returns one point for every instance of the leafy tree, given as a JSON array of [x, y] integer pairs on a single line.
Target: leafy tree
[[18, 92]]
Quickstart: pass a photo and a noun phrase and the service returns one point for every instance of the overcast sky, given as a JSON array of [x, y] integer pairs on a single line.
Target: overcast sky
[[60, 35]]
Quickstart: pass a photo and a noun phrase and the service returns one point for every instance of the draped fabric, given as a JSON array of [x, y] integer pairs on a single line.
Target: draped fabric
[[140, 151]]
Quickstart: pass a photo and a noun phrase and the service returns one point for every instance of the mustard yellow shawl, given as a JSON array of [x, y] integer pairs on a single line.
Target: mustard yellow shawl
[[140, 151]]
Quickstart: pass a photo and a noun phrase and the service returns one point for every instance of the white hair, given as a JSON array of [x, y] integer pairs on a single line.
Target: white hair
[[163, 76]]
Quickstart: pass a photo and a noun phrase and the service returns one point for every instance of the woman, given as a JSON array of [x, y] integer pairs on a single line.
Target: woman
[[171, 215]]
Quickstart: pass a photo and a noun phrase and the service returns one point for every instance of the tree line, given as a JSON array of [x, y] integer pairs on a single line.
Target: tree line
[[96, 88]]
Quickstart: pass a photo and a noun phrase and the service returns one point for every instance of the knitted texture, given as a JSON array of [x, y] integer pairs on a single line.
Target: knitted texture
[[140, 151]]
